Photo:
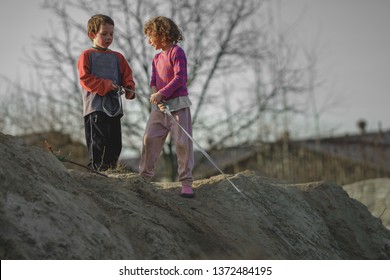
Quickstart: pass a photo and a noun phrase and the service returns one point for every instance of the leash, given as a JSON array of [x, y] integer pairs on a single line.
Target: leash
[[64, 159], [168, 112]]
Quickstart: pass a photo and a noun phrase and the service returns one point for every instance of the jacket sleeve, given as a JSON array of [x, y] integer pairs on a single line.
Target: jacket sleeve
[[153, 76], [126, 73], [90, 82]]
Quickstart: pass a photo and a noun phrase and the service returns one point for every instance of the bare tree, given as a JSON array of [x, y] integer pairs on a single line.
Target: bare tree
[[223, 40]]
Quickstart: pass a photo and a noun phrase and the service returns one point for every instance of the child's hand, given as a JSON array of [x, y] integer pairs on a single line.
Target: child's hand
[[156, 98], [129, 95], [114, 86], [161, 106]]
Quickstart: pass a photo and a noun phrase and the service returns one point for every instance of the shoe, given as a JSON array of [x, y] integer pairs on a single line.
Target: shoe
[[187, 191]]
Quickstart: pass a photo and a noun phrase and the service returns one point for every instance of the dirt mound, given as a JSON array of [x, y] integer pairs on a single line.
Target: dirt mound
[[375, 194], [50, 212]]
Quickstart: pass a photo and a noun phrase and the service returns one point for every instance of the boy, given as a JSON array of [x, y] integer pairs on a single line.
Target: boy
[[168, 86], [101, 72]]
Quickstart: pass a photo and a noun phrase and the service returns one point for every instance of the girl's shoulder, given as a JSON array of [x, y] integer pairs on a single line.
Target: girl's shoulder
[[177, 48], [176, 51], [173, 53]]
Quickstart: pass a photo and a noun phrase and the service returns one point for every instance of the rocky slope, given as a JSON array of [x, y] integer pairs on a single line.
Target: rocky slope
[[50, 212]]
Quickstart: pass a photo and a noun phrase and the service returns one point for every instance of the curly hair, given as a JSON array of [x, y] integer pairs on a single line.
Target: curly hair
[[96, 21], [163, 28]]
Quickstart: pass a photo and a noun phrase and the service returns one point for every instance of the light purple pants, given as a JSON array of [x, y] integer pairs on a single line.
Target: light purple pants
[[157, 129]]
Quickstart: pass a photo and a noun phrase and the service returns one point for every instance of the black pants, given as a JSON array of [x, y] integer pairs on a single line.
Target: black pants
[[104, 140]]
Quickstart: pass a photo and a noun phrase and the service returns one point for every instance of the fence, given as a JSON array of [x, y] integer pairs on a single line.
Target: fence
[[298, 164]]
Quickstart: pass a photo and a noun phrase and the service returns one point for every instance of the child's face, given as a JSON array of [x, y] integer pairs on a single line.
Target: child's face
[[155, 42], [105, 36]]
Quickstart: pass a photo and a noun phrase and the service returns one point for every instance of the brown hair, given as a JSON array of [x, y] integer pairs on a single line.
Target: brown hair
[[163, 28], [96, 21]]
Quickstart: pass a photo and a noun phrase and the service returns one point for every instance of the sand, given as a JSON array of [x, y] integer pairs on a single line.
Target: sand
[[50, 212]]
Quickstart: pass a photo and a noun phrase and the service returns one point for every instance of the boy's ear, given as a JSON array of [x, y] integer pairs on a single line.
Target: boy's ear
[[91, 35]]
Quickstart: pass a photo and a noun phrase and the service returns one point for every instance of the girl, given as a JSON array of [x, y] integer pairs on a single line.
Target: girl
[[168, 88]]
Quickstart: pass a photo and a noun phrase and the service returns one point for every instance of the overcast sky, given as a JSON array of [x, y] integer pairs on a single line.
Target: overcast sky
[[353, 42]]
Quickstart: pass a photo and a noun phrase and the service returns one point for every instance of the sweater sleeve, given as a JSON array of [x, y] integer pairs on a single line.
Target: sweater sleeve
[[90, 82], [153, 82], [126, 73]]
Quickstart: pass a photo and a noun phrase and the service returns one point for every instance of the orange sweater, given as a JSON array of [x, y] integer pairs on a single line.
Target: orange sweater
[[98, 69]]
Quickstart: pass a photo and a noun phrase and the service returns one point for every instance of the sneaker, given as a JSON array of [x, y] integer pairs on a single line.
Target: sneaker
[[187, 191]]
